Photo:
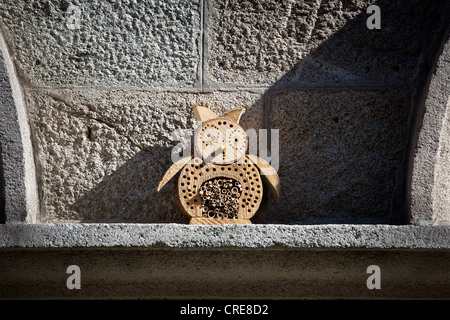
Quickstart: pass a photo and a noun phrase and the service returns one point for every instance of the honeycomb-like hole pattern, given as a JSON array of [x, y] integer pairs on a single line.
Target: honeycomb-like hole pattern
[[196, 173]]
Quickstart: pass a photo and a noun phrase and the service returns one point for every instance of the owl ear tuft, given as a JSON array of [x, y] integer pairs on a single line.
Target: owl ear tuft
[[203, 113], [235, 114]]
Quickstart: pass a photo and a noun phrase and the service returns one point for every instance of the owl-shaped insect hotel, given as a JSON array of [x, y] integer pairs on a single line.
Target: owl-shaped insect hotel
[[220, 183]]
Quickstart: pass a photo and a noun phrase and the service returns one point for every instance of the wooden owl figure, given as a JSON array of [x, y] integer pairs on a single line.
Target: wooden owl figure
[[221, 184]]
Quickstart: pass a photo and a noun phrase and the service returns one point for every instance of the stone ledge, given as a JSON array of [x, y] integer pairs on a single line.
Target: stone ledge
[[122, 235]]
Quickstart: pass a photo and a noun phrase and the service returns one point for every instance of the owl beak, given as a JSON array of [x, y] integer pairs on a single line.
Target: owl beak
[[214, 153]]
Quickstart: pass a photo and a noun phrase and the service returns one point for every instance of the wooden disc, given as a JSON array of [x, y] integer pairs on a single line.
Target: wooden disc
[[221, 141], [196, 172]]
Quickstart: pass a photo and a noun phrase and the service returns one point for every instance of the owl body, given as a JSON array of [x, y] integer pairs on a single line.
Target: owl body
[[221, 184], [219, 203]]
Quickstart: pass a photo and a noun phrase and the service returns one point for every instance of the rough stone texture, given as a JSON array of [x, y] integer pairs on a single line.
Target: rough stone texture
[[18, 190], [429, 177], [12, 188], [317, 42], [102, 153], [342, 154], [441, 188], [240, 262], [168, 235], [121, 43], [224, 274]]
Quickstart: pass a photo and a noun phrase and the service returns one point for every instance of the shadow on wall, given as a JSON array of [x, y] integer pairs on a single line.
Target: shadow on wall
[[129, 195], [344, 112], [2, 190], [345, 120]]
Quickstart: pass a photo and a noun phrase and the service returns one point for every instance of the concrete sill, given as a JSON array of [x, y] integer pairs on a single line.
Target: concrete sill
[[176, 261], [123, 235]]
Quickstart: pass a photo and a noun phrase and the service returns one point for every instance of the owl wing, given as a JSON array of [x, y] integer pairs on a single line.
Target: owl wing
[[173, 170], [268, 172]]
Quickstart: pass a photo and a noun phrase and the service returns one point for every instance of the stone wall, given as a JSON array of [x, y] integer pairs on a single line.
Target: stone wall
[[91, 93], [106, 83], [18, 189], [428, 180]]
